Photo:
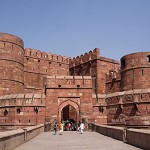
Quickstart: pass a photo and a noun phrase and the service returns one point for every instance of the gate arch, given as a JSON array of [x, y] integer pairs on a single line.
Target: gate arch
[[71, 103]]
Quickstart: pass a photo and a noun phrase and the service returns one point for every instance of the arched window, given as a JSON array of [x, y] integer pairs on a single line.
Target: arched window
[[5, 112], [18, 110], [148, 58]]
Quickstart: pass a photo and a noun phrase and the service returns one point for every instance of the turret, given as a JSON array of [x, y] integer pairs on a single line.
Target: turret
[[11, 64], [135, 71]]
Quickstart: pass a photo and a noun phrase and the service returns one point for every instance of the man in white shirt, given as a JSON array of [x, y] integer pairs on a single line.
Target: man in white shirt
[[81, 127]]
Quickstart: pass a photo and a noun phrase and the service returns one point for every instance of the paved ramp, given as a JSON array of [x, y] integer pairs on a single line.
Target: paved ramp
[[74, 141]]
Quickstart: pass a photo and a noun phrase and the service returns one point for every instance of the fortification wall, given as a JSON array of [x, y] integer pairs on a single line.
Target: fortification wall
[[21, 110], [12, 67], [38, 65], [112, 81], [75, 91], [85, 65], [91, 55], [129, 107], [68, 82], [105, 66], [135, 71], [92, 64]]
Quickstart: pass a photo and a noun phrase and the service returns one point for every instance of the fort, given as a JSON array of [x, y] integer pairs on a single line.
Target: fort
[[38, 87]]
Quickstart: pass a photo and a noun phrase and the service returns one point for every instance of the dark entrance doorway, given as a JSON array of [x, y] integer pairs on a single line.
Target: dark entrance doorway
[[69, 115]]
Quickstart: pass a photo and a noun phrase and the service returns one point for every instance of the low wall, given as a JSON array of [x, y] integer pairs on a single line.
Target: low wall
[[139, 138], [136, 137], [11, 139], [32, 132], [111, 131]]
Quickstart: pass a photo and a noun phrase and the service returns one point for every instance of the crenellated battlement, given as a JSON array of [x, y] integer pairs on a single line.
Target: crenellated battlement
[[12, 39], [46, 56], [87, 87], [93, 54]]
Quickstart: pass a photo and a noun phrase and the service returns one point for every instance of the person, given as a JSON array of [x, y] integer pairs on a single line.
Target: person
[[68, 126], [79, 125], [61, 128], [82, 127], [55, 128]]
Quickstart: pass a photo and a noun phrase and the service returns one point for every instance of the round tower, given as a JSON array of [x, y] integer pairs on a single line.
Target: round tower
[[135, 71], [11, 64]]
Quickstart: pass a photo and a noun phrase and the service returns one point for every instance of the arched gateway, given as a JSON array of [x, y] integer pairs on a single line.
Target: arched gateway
[[69, 109]]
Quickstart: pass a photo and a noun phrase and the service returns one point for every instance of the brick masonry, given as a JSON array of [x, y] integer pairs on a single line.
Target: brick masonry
[[37, 86]]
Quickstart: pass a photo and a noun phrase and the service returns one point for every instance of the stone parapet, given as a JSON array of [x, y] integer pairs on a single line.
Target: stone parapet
[[68, 82], [136, 137], [5, 37], [129, 107], [91, 55], [12, 139], [29, 52], [139, 138]]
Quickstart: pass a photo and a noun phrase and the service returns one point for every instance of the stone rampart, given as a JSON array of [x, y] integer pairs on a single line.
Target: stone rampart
[[129, 107], [135, 71], [112, 81], [38, 65], [21, 110], [91, 55], [29, 52], [12, 64], [68, 82]]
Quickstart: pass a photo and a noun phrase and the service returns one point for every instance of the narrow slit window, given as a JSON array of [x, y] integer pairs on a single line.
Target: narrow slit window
[[123, 63], [142, 72]]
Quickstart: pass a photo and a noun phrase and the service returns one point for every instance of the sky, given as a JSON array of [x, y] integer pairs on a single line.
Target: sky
[[73, 27]]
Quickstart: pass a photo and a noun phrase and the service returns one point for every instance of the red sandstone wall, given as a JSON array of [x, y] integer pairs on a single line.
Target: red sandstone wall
[[92, 64], [12, 65], [85, 65], [21, 110], [99, 109], [112, 81], [129, 107], [37, 65], [104, 66], [135, 71], [68, 90]]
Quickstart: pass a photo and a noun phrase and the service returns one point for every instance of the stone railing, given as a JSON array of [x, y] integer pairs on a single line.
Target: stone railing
[[136, 137], [139, 138], [11, 139], [111, 131]]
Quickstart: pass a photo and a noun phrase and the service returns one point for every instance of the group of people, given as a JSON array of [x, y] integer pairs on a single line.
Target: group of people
[[81, 127], [69, 125]]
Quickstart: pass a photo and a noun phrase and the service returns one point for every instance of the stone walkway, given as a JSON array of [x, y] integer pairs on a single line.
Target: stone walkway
[[74, 141]]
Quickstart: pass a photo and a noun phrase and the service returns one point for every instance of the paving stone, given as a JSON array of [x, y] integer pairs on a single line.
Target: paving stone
[[72, 140]]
